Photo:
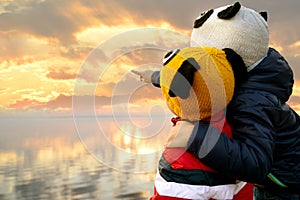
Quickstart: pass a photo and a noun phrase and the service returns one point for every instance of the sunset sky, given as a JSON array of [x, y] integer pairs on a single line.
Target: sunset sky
[[53, 51]]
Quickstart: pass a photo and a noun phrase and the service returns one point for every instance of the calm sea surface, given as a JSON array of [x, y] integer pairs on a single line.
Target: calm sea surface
[[101, 158]]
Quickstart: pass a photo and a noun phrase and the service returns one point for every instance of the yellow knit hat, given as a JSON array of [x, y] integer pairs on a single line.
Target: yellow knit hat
[[197, 82]]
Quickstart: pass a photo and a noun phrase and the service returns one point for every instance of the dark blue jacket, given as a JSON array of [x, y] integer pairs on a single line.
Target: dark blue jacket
[[266, 131]]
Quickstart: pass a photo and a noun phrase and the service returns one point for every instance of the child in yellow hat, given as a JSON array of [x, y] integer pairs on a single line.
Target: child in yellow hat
[[197, 83]]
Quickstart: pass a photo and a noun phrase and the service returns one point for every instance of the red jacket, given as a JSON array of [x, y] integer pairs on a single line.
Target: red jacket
[[182, 176]]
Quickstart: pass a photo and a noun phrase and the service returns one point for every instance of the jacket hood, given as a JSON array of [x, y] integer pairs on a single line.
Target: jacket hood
[[273, 74]]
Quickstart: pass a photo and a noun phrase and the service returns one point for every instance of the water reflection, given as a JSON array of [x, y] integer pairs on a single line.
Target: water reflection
[[45, 159]]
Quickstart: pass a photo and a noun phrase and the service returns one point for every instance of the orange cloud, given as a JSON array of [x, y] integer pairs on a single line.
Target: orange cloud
[[138, 101]]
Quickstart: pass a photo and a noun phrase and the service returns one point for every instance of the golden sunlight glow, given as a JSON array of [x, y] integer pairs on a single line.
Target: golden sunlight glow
[[73, 115], [296, 48], [94, 36], [129, 138], [296, 44], [30, 82], [8, 157], [51, 149], [296, 88], [38, 70], [44, 75], [276, 46]]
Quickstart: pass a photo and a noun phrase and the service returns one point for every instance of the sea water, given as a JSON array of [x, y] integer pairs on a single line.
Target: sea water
[[86, 158]]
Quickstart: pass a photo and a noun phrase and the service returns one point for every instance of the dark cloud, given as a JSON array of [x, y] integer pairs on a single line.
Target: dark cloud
[[61, 18], [43, 19], [76, 52], [51, 19], [24, 104], [180, 14], [98, 63], [142, 57], [61, 75], [283, 17]]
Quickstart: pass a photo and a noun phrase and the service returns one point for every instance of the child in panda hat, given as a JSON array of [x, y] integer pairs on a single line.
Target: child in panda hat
[[197, 83], [266, 132]]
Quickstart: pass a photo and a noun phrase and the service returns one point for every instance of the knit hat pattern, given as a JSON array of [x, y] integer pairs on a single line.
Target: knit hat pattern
[[246, 33], [212, 86]]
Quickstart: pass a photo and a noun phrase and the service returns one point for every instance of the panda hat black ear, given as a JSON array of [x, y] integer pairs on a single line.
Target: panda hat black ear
[[204, 16], [183, 79], [238, 66], [230, 11], [264, 14]]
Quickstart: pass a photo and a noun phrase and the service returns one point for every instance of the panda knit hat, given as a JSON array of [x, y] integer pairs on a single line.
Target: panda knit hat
[[197, 82], [237, 27]]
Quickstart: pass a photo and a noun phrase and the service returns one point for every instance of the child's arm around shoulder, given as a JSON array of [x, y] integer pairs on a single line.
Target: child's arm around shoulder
[[249, 154]]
